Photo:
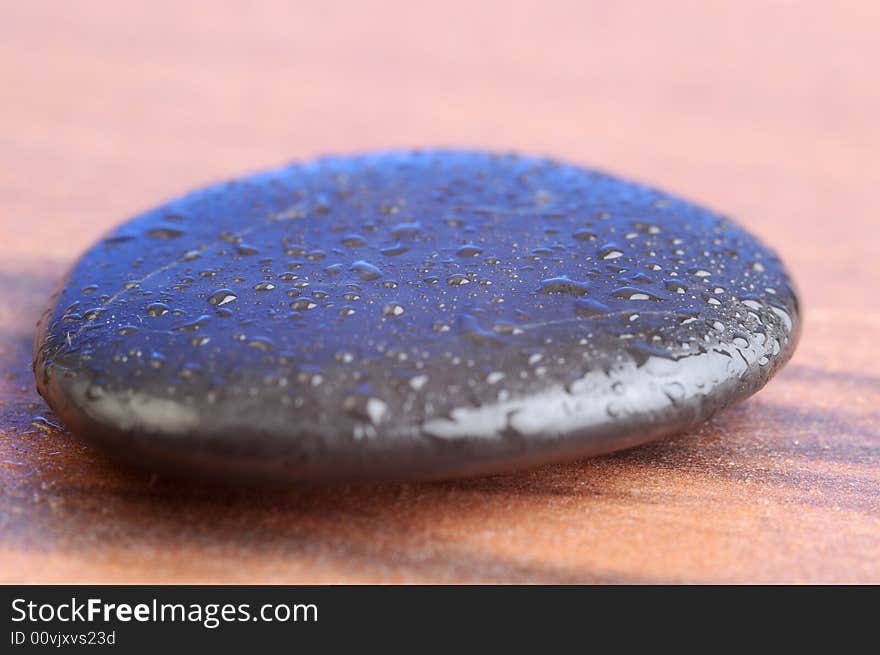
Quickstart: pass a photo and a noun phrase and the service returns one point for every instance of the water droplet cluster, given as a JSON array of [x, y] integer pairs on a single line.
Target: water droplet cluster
[[398, 294]]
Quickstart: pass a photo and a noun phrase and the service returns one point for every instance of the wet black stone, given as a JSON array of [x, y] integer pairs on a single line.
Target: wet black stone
[[410, 315]]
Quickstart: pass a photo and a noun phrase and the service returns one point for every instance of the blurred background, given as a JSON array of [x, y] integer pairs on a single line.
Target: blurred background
[[766, 110]]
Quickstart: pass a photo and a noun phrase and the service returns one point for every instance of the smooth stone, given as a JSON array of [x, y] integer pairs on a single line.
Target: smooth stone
[[410, 316]]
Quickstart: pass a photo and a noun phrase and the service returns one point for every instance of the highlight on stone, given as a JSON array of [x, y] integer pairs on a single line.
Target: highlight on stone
[[410, 315]]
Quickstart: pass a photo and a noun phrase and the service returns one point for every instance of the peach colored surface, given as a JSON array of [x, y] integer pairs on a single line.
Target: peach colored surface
[[765, 110]]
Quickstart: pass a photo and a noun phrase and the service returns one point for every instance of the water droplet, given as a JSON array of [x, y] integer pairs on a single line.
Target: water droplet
[[164, 233], [94, 313], [610, 251], [590, 307], [222, 297], [194, 324], [418, 381], [396, 249], [301, 304], [353, 240], [563, 284], [333, 269], [633, 293], [246, 249], [784, 317], [43, 424], [157, 309], [392, 309], [261, 343], [365, 270], [363, 408], [190, 370], [469, 250], [406, 230]]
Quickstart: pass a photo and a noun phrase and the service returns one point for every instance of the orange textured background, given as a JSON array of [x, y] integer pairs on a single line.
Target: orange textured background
[[767, 110]]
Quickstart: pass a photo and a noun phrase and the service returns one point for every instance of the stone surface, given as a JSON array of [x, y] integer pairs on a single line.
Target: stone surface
[[410, 315]]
